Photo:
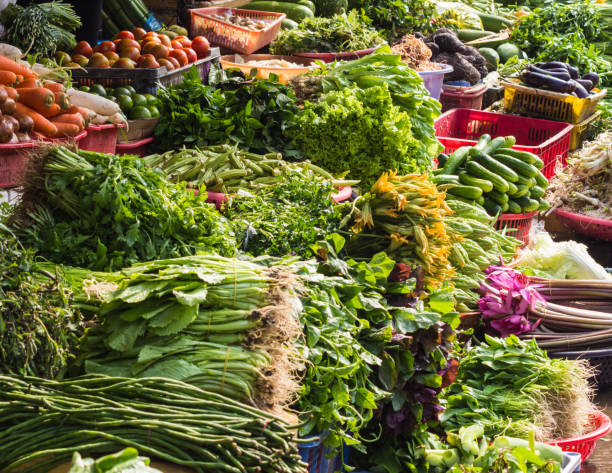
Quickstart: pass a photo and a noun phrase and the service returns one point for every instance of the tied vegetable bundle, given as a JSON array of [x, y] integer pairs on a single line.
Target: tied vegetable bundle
[[45, 422], [407, 92], [404, 216], [103, 211], [221, 324], [512, 387], [39, 325]]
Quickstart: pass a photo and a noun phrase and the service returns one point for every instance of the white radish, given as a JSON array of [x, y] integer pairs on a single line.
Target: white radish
[[98, 104]]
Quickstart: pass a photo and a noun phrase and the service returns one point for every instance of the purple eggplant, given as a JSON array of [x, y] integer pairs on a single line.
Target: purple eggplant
[[558, 73], [587, 84], [552, 65], [545, 81], [581, 92], [573, 71], [593, 77]]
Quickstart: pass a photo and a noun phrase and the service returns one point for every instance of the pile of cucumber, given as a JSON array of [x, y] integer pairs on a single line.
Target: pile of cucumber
[[494, 175]]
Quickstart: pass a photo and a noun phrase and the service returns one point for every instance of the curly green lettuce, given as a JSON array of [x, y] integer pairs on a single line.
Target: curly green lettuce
[[360, 132]]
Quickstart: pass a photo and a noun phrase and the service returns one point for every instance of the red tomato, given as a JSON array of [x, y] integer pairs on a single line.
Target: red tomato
[[201, 46], [192, 56], [124, 35], [105, 46], [139, 33], [176, 44], [180, 56], [83, 48], [186, 42], [148, 61]]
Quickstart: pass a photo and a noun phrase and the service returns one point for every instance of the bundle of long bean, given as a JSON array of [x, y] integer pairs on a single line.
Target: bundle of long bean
[[406, 217], [43, 422], [225, 168], [222, 324]]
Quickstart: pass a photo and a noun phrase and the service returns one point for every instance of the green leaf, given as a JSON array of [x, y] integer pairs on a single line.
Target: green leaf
[[192, 298], [172, 320], [173, 368]]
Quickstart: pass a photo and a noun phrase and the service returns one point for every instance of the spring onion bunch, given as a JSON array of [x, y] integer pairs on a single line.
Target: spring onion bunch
[[42, 423]]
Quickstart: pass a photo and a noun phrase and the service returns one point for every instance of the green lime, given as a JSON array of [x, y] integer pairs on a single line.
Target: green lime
[[112, 98], [125, 103], [139, 112], [154, 110], [151, 99], [98, 89], [139, 100], [131, 89], [84, 88], [119, 91]]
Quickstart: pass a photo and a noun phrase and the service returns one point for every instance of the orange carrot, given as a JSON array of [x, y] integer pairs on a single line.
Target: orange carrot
[[73, 118], [38, 98], [62, 100], [28, 83], [52, 111], [7, 77], [12, 92], [7, 64], [54, 87], [66, 129], [41, 124]]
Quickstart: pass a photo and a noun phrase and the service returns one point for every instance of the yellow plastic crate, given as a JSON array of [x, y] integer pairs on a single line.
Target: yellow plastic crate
[[580, 131], [540, 103]]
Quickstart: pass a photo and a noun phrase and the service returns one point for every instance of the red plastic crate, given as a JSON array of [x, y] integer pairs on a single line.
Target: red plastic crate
[[462, 97], [13, 162], [230, 36], [516, 225], [598, 228], [77, 139], [547, 139], [138, 148], [586, 444], [101, 138]]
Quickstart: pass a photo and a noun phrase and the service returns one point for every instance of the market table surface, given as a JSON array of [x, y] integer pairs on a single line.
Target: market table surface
[[601, 460]]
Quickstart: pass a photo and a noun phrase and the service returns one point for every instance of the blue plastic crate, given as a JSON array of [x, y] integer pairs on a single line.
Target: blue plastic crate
[[316, 455]]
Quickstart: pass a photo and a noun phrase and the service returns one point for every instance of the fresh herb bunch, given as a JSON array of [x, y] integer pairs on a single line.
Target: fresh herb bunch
[[103, 211], [252, 114], [39, 326], [285, 218], [327, 35], [398, 17], [564, 32], [358, 131]]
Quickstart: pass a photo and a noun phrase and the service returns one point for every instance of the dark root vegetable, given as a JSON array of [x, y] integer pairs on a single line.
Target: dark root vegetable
[[6, 129], [3, 94], [26, 124], [462, 69], [8, 107], [435, 49], [449, 43], [23, 137], [14, 121]]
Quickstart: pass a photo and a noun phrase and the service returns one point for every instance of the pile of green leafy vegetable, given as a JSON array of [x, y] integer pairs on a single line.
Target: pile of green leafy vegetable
[[358, 131], [252, 114], [285, 218], [39, 325], [49, 26], [566, 33], [377, 355], [339, 33], [406, 88], [398, 17], [103, 211], [512, 387]]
